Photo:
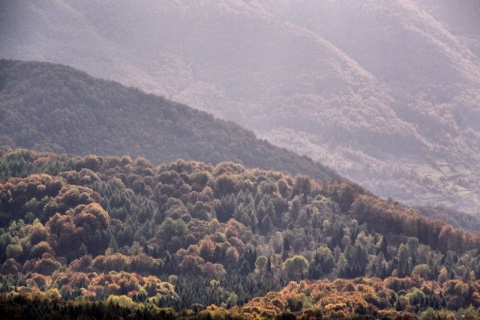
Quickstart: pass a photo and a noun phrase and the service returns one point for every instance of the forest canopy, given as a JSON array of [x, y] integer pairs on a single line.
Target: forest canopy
[[184, 235]]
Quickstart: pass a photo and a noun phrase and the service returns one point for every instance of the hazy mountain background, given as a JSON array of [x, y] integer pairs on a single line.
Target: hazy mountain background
[[386, 92]]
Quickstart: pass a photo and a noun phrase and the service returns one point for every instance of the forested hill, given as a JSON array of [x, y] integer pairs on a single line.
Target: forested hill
[[49, 107], [111, 237]]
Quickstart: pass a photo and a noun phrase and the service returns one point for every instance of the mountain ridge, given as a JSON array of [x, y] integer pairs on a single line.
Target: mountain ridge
[[51, 107]]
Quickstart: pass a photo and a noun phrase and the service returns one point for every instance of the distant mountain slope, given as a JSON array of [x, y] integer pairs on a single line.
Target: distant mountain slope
[[455, 218], [385, 92], [50, 107], [417, 45]]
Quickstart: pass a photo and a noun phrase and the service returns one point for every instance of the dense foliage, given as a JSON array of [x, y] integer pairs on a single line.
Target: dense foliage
[[108, 233], [49, 107]]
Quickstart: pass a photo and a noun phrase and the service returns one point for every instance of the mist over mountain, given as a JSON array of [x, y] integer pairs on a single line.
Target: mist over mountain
[[387, 93]]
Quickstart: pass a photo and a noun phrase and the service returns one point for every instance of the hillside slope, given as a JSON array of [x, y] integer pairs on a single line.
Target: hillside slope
[[385, 92], [50, 107]]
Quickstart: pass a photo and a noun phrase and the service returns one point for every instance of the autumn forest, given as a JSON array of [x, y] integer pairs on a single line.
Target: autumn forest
[[240, 159], [117, 236]]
